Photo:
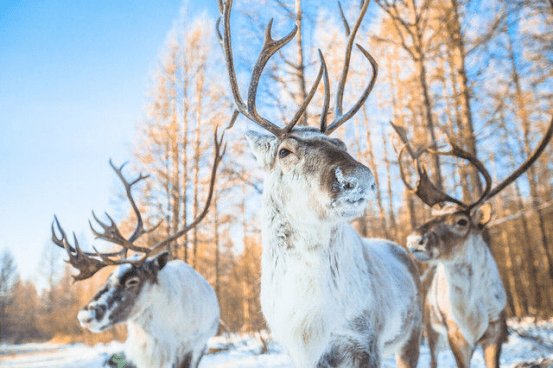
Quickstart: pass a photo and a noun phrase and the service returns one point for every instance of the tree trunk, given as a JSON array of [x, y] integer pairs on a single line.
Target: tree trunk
[[389, 185], [373, 166], [185, 111], [301, 66], [427, 105], [197, 153], [217, 247], [175, 156], [458, 45], [523, 116], [516, 292]]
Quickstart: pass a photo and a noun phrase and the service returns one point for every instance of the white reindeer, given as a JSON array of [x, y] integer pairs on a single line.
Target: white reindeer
[[170, 310], [465, 300], [331, 297]]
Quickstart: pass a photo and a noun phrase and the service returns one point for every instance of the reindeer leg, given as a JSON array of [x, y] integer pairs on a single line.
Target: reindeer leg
[[433, 343], [491, 354], [408, 355], [462, 350], [186, 361], [492, 341]]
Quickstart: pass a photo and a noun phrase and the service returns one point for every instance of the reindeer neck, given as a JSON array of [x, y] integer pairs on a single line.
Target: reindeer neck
[[469, 267], [308, 261], [473, 251], [296, 235]]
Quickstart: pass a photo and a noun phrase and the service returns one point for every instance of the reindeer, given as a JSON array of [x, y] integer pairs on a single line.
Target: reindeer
[[465, 301], [331, 297], [170, 310]]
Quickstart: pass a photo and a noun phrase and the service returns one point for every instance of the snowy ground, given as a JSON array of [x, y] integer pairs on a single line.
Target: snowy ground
[[529, 343]]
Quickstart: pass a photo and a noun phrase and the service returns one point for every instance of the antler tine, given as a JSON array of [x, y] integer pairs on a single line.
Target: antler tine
[[402, 133], [525, 165], [235, 114], [112, 234], [344, 20], [225, 41], [341, 118], [86, 265], [309, 97], [326, 102], [458, 152], [218, 156], [123, 260], [270, 47], [64, 244], [401, 171], [139, 229]]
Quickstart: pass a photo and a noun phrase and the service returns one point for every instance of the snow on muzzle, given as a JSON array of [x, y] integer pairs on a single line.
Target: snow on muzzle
[[352, 190], [93, 317]]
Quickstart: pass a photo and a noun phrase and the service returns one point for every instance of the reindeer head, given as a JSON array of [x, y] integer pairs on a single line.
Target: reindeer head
[[309, 173], [443, 237], [123, 294], [312, 176], [119, 299]]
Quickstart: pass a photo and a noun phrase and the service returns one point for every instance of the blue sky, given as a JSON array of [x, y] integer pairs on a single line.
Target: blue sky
[[73, 79]]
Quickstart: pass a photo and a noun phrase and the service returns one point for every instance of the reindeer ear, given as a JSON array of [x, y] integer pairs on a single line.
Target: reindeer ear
[[482, 215], [263, 147], [158, 262]]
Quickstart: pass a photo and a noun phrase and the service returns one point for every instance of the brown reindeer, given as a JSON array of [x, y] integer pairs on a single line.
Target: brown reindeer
[[465, 301]]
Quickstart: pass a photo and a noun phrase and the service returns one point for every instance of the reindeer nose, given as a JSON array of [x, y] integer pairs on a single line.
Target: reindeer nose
[[85, 316], [416, 241], [359, 180], [100, 310], [91, 312], [349, 185]]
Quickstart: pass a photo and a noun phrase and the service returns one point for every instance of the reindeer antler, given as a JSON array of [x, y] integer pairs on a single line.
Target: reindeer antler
[[339, 117], [526, 164], [270, 47], [88, 263], [431, 195]]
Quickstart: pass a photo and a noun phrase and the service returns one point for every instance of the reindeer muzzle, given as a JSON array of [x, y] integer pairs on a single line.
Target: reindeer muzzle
[[417, 245]]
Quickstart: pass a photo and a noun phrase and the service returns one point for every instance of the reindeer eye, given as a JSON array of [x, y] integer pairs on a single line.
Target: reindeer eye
[[284, 153], [462, 222], [133, 282]]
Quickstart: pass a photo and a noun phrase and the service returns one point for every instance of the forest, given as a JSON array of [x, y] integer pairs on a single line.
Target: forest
[[479, 72]]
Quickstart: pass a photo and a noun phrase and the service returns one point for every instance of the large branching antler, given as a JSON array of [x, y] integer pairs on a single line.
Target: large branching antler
[[110, 231], [84, 262], [270, 47], [431, 195], [424, 189], [88, 263]]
